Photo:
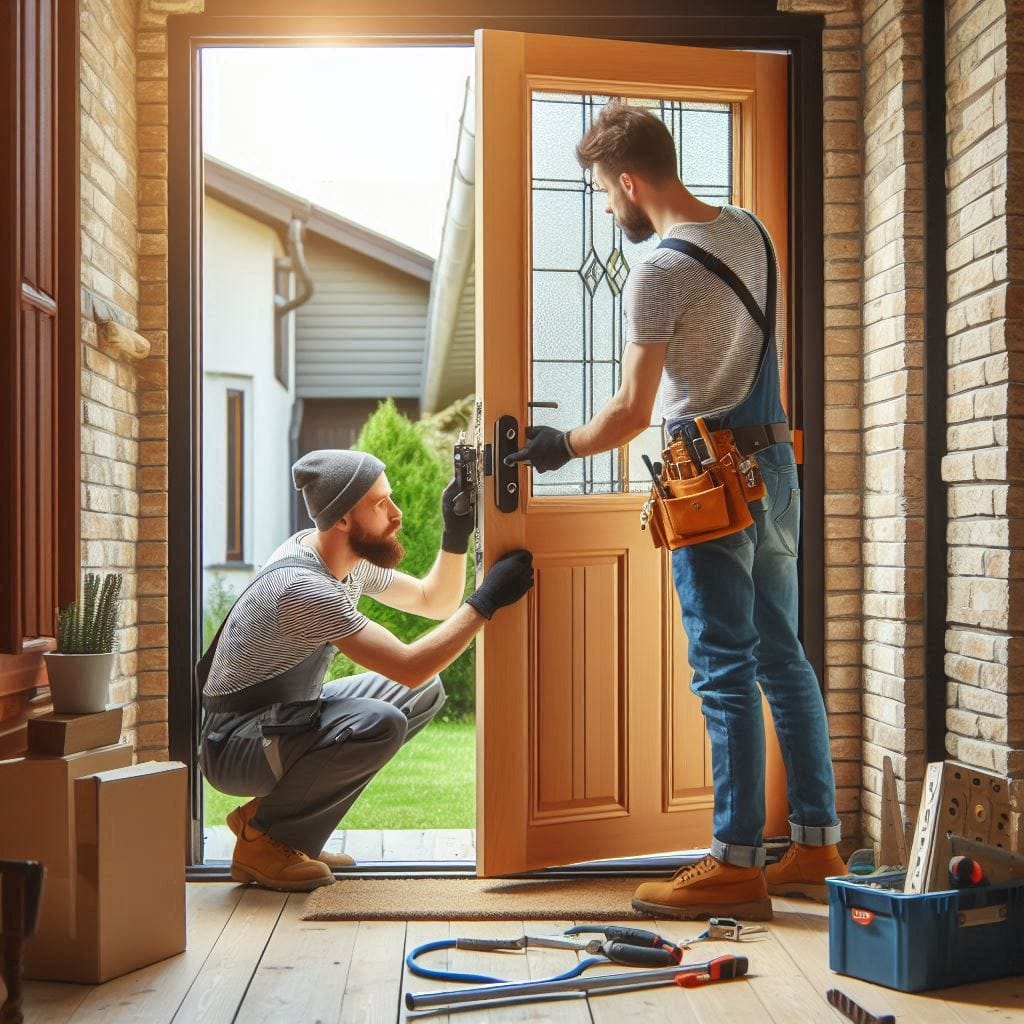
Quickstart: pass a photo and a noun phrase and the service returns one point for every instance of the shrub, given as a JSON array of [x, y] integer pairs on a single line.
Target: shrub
[[417, 477], [219, 600]]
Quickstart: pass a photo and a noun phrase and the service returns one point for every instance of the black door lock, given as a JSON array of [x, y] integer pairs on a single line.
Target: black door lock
[[506, 478]]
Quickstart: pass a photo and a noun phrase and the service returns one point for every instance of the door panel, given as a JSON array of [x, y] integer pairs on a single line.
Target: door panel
[[591, 745]]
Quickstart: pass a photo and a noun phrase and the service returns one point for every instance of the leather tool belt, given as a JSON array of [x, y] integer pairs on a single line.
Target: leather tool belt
[[751, 440], [701, 490]]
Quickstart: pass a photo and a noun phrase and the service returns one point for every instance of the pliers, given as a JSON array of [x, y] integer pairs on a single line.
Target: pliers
[[630, 947]]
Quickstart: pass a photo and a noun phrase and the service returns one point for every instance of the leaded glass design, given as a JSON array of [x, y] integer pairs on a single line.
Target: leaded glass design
[[580, 263]]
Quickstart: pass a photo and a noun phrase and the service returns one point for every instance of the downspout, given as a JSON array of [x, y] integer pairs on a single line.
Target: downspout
[[295, 261], [453, 260]]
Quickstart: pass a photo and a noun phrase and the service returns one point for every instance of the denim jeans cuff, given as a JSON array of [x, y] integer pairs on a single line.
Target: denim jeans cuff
[[738, 856], [815, 835]]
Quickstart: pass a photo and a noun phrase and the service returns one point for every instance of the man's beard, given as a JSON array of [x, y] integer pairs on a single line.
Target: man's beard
[[635, 224], [384, 552]]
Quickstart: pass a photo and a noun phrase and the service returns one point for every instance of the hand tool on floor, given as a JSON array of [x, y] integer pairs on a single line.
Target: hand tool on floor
[[720, 968], [846, 1006], [727, 929], [618, 947], [634, 936]]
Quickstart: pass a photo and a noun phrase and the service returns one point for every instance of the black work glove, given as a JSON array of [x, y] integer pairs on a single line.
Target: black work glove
[[546, 449], [506, 581], [458, 525]]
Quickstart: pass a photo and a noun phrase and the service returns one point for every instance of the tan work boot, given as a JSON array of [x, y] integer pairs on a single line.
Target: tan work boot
[[242, 815], [261, 859], [708, 888], [803, 870]]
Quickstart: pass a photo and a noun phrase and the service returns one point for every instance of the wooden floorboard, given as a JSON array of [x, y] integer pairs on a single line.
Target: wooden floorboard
[[252, 959]]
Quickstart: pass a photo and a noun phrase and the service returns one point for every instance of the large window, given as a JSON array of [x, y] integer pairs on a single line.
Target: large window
[[581, 260], [235, 476]]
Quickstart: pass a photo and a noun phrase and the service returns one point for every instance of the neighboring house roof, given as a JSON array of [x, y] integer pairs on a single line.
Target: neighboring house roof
[[450, 352], [275, 206]]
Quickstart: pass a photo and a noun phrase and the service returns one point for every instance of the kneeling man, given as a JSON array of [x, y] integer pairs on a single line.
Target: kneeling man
[[272, 730]]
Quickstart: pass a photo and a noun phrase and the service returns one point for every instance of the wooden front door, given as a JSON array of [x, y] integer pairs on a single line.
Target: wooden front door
[[592, 745]]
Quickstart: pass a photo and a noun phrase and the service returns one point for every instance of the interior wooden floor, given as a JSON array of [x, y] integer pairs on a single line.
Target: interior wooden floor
[[251, 959]]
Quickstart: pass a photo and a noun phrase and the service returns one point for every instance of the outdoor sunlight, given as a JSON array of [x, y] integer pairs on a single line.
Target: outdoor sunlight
[[366, 132]]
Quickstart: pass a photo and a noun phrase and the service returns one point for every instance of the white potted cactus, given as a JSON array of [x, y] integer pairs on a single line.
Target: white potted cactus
[[81, 668]]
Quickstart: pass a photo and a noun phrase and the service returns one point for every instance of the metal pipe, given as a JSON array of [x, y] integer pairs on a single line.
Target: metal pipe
[[719, 967]]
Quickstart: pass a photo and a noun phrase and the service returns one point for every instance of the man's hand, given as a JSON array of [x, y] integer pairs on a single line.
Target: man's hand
[[546, 449], [457, 525], [506, 582]]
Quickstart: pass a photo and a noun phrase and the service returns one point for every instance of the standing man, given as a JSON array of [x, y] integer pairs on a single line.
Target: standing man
[[688, 327], [273, 731]]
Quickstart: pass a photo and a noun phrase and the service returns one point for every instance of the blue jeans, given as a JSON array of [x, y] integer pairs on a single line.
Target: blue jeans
[[739, 601]]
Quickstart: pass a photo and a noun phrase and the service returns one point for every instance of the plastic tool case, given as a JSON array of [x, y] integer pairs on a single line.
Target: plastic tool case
[[920, 942]]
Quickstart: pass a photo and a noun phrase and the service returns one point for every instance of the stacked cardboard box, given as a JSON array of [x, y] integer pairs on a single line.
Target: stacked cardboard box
[[111, 836]]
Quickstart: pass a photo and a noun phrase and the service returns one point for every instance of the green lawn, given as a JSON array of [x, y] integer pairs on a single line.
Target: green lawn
[[430, 783]]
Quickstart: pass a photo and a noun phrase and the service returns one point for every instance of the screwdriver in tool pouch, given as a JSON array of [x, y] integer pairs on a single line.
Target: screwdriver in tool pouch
[[654, 476]]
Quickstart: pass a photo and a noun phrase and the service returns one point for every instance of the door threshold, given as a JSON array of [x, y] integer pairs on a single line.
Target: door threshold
[[657, 865]]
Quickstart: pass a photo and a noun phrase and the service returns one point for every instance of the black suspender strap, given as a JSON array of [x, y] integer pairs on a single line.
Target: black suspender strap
[[203, 666], [764, 320]]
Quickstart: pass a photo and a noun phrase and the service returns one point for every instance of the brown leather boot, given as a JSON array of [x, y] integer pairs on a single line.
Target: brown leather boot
[[242, 815], [261, 859], [708, 888], [803, 870]]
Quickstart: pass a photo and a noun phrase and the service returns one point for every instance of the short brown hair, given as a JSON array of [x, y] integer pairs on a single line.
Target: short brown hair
[[624, 138]]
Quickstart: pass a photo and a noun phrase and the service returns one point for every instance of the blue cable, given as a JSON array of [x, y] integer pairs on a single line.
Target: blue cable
[[482, 979]]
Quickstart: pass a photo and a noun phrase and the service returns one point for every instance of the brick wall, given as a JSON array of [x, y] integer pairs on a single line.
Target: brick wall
[[893, 401], [985, 461], [110, 426], [844, 257]]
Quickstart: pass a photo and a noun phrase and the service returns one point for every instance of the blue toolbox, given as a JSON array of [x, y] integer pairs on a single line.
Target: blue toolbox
[[911, 942]]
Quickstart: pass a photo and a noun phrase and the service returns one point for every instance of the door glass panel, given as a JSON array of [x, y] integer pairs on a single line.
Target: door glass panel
[[580, 262]]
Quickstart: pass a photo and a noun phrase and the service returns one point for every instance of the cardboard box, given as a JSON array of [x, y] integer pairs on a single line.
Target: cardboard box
[[58, 735], [132, 824], [130, 893], [37, 818]]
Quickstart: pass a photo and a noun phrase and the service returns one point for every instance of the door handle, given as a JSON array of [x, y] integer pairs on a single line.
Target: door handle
[[506, 478]]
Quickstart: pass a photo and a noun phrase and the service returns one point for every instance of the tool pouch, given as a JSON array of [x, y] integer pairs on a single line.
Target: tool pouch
[[703, 507]]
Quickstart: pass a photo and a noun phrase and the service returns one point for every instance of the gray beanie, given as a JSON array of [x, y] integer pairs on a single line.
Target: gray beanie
[[332, 480]]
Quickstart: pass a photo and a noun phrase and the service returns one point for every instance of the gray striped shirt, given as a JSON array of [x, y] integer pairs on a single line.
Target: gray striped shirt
[[713, 344], [287, 615]]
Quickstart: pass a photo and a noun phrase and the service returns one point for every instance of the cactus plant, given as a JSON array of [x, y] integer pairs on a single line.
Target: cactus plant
[[87, 626]]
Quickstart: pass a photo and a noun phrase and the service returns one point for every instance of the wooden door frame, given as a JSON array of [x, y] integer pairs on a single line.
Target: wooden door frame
[[249, 23]]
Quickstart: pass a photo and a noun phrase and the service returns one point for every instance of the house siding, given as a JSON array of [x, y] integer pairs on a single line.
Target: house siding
[[362, 333]]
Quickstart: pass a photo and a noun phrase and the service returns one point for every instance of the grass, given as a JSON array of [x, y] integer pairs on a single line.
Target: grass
[[429, 783]]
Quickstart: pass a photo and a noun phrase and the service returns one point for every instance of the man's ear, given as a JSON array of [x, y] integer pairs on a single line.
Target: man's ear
[[628, 184]]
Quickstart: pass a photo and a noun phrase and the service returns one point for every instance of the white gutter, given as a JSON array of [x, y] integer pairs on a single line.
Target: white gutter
[[453, 260]]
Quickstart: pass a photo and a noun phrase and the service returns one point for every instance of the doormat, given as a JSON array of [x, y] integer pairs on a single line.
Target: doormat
[[473, 899]]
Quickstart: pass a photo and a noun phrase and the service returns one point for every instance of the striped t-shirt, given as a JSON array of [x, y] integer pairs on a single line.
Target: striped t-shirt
[[287, 615], [713, 343]]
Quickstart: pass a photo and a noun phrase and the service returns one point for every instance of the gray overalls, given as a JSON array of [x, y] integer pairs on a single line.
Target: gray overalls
[[305, 748]]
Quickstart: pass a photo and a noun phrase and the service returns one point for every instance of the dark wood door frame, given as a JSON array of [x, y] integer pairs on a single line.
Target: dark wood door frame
[[737, 24]]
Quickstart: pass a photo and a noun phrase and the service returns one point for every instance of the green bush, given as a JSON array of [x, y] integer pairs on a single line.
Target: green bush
[[417, 477], [219, 600]]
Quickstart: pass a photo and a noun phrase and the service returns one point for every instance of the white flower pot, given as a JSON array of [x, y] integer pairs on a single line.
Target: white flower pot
[[79, 683]]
